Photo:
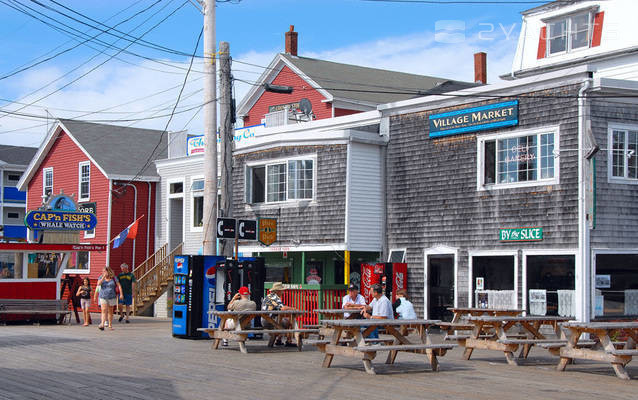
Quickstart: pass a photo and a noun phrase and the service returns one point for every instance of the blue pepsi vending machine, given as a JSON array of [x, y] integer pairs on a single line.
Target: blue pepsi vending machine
[[198, 283]]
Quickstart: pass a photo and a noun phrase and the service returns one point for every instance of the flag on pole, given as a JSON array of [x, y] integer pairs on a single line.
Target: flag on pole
[[130, 232]]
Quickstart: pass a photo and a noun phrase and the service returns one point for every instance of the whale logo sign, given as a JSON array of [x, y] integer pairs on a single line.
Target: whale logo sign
[[211, 273]]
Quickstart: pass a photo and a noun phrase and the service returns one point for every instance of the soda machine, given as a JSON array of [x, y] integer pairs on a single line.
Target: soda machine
[[392, 275], [197, 291], [208, 283]]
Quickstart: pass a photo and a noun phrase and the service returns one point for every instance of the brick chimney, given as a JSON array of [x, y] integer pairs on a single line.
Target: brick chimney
[[480, 68], [291, 41]]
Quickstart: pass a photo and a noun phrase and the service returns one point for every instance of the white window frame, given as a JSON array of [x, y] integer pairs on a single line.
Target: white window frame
[[497, 253], [439, 251], [547, 252], [80, 166], [568, 30], [480, 159], [610, 154], [79, 271], [169, 182], [44, 180], [200, 193], [170, 196], [403, 249], [263, 163], [593, 272]]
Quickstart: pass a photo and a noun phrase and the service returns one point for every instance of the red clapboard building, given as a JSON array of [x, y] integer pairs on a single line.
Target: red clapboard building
[[331, 89], [107, 170]]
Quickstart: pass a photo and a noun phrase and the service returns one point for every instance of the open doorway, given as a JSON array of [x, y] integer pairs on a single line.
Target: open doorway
[[440, 285], [175, 222]]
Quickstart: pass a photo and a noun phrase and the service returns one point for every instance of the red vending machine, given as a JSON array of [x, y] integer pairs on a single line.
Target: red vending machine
[[395, 273]]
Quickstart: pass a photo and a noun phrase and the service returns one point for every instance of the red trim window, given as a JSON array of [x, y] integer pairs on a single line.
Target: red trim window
[[570, 33]]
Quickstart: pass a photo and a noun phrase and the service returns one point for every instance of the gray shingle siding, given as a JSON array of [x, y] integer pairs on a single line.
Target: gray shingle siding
[[433, 197], [616, 205], [317, 222]]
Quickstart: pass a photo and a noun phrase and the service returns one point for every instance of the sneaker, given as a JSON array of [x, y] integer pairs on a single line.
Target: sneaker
[[121, 318], [224, 342], [127, 321]]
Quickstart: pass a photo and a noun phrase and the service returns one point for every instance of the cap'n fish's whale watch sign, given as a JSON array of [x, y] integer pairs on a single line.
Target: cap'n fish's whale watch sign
[[60, 220], [474, 119]]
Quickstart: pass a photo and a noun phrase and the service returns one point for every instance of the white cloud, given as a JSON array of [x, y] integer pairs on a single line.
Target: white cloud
[[117, 83]]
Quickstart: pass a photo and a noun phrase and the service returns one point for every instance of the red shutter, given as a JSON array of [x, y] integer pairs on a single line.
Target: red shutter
[[542, 44], [598, 29]]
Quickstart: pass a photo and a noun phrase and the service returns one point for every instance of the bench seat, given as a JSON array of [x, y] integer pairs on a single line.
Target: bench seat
[[326, 341], [405, 347], [624, 352], [459, 326], [255, 331]]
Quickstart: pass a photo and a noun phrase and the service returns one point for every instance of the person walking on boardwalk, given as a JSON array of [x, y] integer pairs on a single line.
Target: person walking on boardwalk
[[84, 293], [127, 282], [107, 284]]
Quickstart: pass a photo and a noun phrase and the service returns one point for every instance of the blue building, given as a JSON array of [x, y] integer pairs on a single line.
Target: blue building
[[13, 162]]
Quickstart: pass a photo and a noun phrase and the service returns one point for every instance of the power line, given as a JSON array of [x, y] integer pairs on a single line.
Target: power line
[[490, 2]]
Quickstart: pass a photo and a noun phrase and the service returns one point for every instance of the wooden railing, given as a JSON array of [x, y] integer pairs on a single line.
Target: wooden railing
[[310, 298], [152, 277]]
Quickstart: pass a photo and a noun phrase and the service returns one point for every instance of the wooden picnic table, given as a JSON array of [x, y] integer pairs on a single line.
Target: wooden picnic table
[[335, 313], [508, 343], [459, 320], [243, 318], [366, 350], [606, 350]]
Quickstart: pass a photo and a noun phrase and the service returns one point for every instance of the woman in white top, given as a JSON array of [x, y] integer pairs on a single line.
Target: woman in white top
[[404, 307]]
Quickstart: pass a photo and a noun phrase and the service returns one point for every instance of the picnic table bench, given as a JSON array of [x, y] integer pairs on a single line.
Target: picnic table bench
[[461, 314], [366, 349], [36, 308], [508, 343], [618, 354], [243, 318], [334, 313]]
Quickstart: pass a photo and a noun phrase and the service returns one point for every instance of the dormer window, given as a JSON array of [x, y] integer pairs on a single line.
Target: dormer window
[[569, 33]]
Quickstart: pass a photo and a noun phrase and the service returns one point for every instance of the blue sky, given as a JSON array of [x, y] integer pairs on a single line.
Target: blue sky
[[408, 37]]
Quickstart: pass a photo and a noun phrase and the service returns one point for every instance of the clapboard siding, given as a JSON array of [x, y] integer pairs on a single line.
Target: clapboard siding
[[365, 198], [321, 221], [616, 205], [433, 198], [191, 168]]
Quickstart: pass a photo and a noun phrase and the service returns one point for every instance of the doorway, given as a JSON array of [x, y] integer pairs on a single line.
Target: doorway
[[175, 222], [440, 286]]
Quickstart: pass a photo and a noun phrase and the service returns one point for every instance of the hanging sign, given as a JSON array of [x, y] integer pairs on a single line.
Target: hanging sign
[[60, 220], [247, 229], [267, 231], [226, 228], [474, 119], [520, 234]]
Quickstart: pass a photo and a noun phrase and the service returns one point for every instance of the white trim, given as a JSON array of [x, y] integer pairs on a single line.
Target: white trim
[[403, 249], [346, 221], [81, 164], [108, 223], [594, 262], [482, 253], [169, 182], [590, 11], [543, 252], [611, 126], [254, 248], [169, 162], [200, 193], [439, 250], [168, 199], [278, 161], [44, 180], [480, 159], [79, 271]]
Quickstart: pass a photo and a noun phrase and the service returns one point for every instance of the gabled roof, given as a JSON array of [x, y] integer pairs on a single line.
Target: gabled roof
[[119, 152], [16, 155], [551, 6], [350, 83]]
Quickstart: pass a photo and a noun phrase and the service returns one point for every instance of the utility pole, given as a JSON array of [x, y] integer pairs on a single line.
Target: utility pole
[[226, 132], [210, 130]]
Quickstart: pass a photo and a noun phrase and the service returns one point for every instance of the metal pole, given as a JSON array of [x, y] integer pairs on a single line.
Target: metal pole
[[210, 130], [226, 133]]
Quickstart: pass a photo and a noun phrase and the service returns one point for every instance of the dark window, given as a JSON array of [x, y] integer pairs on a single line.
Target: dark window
[[258, 181], [617, 284], [177, 187], [550, 273], [13, 178], [490, 162], [396, 256], [497, 272], [13, 215]]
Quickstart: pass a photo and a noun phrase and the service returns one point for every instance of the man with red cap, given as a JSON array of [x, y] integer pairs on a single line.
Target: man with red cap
[[240, 302]]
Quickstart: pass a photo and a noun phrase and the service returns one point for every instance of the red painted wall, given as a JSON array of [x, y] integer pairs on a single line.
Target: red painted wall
[[340, 112], [27, 290], [287, 77]]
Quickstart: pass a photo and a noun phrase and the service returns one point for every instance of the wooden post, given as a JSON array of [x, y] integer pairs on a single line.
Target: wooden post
[[346, 267]]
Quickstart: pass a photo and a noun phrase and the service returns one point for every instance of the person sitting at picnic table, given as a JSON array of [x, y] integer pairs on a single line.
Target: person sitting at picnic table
[[402, 306], [353, 301], [380, 307], [272, 302], [240, 302]]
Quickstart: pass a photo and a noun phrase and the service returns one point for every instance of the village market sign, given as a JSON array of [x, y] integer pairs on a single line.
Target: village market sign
[[491, 116], [60, 220]]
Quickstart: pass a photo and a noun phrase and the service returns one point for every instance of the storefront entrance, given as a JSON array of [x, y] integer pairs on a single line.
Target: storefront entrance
[[493, 281], [176, 222], [440, 286]]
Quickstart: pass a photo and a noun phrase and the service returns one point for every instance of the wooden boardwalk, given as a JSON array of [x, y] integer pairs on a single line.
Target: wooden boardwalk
[[142, 361]]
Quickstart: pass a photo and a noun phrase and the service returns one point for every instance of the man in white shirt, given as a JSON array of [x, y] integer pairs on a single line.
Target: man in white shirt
[[380, 306], [353, 301], [404, 307]]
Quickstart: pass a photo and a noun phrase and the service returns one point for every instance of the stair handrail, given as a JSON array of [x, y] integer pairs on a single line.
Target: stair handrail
[[152, 279]]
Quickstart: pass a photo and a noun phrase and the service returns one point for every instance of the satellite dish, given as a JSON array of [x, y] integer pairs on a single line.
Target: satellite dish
[[305, 106]]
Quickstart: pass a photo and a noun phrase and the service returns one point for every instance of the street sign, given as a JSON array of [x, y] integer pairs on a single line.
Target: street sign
[[247, 229], [267, 231], [60, 220], [527, 234], [226, 228]]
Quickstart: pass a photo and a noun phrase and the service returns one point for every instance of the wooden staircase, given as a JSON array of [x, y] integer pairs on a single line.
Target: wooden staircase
[[153, 277]]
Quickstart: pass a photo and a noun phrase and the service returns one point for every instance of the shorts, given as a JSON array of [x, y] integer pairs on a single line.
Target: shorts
[[108, 302], [128, 300], [85, 303]]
